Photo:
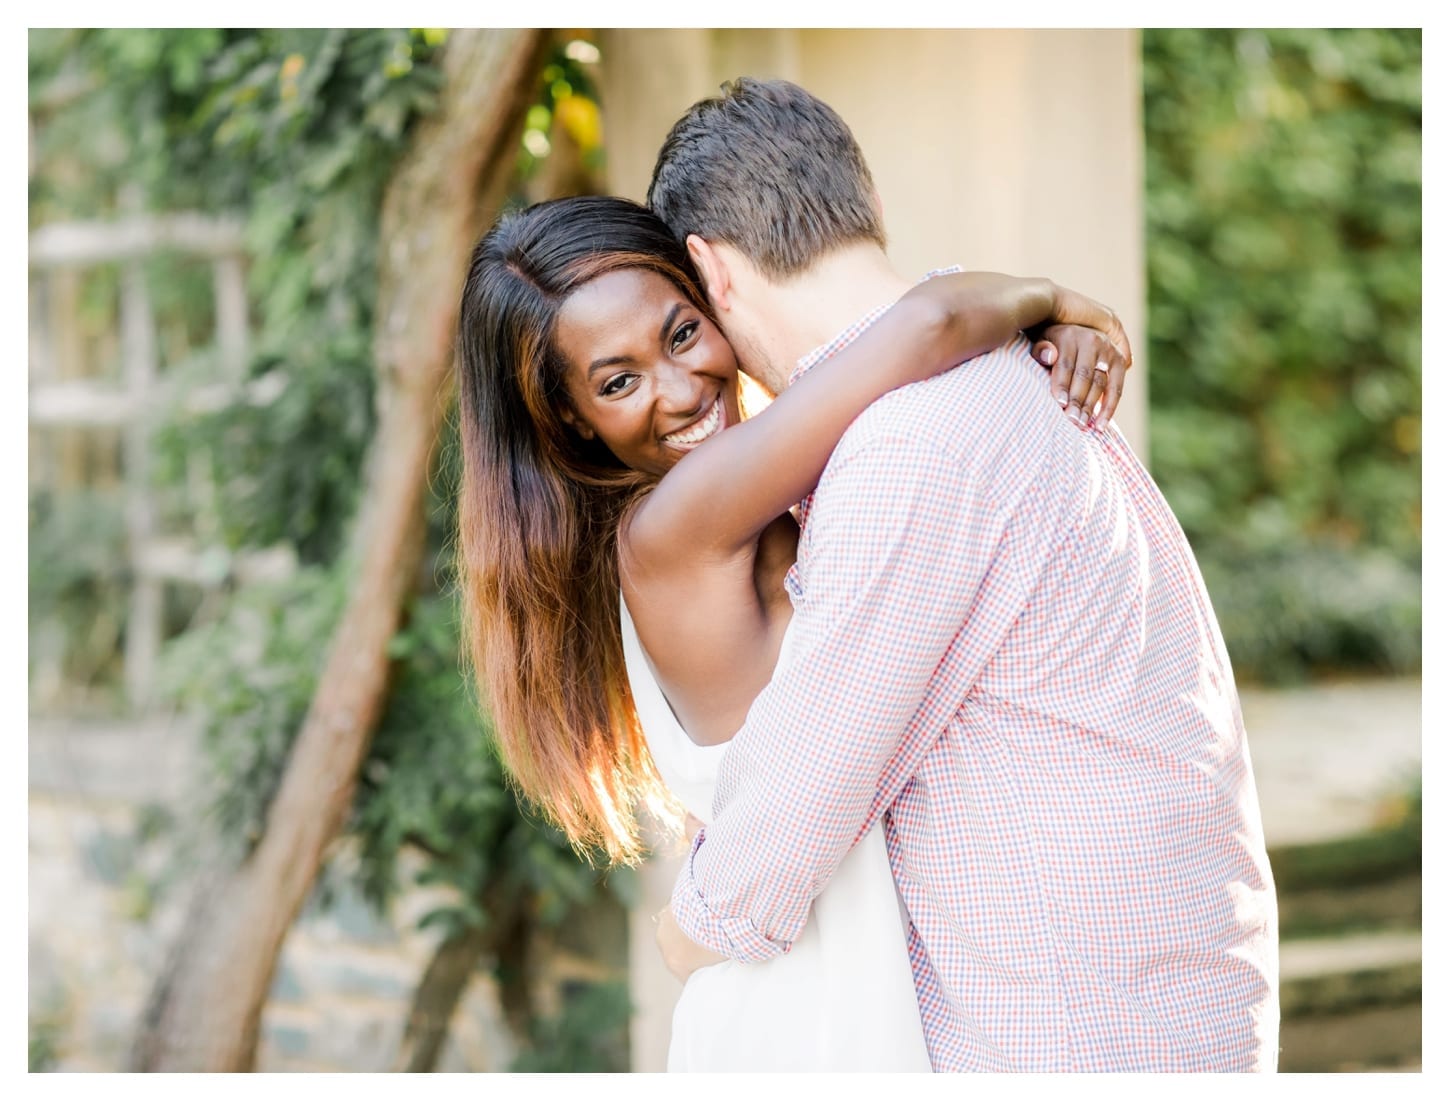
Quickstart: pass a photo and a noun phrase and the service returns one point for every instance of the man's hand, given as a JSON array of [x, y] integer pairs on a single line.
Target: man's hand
[[682, 955]]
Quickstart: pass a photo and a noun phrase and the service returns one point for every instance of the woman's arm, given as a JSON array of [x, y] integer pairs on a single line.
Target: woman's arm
[[724, 493]]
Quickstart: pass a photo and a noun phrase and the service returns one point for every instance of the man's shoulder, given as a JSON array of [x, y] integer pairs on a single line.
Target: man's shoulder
[[952, 412]]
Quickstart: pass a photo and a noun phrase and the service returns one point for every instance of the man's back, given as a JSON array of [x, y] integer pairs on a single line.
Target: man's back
[[1072, 816], [1001, 643]]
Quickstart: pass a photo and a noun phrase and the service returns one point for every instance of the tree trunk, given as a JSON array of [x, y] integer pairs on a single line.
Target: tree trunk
[[507, 941], [437, 996], [207, 1017]]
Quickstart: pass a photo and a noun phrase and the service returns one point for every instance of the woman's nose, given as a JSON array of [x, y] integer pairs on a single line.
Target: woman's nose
[[678, 390]]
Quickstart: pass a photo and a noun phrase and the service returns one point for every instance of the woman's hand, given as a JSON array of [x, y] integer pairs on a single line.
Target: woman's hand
[[1088, 351], [1088, 365], [681, 955]]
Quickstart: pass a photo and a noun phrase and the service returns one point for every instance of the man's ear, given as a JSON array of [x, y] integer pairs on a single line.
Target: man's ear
[[574, 421], [713, 270]]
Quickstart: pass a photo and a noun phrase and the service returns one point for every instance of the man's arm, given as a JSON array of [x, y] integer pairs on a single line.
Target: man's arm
[[901, 543]]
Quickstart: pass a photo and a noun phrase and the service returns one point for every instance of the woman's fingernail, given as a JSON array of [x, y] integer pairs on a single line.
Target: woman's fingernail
[[1062, 400]]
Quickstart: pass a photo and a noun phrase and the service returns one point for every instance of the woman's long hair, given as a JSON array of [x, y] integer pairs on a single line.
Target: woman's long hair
[[539, 519]]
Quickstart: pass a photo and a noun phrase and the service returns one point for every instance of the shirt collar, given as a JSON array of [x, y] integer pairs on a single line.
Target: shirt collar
[[852, 331]]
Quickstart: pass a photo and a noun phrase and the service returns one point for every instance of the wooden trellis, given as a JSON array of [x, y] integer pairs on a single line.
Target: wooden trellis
[[131, 401]]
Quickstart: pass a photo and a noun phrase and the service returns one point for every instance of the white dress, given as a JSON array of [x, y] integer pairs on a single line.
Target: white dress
[[842, 999]]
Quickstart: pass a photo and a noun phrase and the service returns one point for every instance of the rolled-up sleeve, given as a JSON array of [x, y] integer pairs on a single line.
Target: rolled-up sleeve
[[899, 543]]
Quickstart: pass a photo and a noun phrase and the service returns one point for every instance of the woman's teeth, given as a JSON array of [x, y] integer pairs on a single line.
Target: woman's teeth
[[702, 429]]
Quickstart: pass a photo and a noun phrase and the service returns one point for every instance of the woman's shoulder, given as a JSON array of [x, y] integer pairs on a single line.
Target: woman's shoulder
[[643, 536]]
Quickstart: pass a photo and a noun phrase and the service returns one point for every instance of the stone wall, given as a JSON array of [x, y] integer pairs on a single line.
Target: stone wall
[[102, 917], [97, 937]]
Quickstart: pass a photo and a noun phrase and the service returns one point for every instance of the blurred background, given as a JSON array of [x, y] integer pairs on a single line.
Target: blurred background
[[267, 829]]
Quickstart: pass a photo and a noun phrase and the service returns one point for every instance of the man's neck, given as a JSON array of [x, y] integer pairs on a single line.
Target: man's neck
[[810, 309]]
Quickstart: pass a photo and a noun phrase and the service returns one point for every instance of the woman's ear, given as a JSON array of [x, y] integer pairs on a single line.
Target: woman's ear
[[574, 421], [712, 269]]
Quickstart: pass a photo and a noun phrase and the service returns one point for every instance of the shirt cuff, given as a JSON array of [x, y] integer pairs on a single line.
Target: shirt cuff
[[737, 938]]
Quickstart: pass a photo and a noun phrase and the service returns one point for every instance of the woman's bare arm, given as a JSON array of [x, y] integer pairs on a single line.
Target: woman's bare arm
[[727, 490]]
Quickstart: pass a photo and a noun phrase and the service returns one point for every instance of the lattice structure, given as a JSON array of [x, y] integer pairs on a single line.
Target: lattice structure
[[130, 402]]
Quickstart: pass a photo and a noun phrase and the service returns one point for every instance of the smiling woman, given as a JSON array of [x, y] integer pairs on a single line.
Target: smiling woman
[[649, 374], [540, 511]]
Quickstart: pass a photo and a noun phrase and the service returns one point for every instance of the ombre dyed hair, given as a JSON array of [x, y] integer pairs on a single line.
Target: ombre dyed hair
[[539, 520]]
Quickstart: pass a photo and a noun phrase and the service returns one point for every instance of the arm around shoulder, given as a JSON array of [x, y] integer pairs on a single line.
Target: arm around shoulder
[[728, 489]]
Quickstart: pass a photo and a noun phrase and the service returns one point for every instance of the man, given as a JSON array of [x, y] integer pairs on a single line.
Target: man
[[1006, 650]]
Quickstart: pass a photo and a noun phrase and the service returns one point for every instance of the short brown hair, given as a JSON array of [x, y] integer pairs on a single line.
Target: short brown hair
[[767, 168]]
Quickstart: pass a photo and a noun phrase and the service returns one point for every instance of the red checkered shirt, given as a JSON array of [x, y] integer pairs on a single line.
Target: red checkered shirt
[[1003, 645]]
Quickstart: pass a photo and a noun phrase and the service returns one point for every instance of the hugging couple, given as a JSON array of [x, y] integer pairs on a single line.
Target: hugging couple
[[920, 648]]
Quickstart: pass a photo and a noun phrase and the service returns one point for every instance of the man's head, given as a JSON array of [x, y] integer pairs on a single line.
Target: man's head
[[761, 182], [769, 169]]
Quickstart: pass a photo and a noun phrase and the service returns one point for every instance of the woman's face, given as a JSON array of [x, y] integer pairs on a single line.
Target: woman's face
[[648, 374]]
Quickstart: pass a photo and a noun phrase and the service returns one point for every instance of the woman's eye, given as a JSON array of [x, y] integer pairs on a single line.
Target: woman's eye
[[682, 334], [615, 385]]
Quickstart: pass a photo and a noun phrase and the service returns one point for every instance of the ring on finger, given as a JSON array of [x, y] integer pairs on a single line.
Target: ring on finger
[[1101, 366]]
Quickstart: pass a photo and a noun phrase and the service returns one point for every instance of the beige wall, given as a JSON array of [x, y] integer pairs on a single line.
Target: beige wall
[[1004, 150], [990, 149]]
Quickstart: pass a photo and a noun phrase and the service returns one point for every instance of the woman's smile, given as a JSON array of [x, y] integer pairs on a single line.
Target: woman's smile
[[692, 435]]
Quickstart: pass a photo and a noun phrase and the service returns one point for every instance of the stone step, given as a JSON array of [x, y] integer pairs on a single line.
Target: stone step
[[1299, 959], [1379, 1038], [1334, 909], [1327, 756], [1351, 1003], [1327, 976]]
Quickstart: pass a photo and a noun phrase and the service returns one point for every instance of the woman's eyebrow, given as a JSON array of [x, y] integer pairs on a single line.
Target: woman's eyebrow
[[612, 361], [607, 361], [670, 320]]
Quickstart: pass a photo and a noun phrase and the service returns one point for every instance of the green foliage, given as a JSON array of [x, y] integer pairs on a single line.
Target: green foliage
[[303, 128], [296, 133], [1283, 207], [43, 1049], [568, 95], [285, 471], [1302, 606], [78, 579], [248, 676], [574, 1041]]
